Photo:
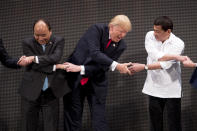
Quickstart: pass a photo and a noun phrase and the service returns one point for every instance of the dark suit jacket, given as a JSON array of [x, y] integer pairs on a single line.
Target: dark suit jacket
[[92, 53], [5, 59], [35, 74], [193, 80]]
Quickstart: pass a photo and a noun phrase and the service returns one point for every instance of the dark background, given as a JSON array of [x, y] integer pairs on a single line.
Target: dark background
[[126, 105]]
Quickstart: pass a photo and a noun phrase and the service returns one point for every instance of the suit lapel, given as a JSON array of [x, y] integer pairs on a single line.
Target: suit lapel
[[108, 51], [49, 45], [37, 47], [113, 47], [105, 38]]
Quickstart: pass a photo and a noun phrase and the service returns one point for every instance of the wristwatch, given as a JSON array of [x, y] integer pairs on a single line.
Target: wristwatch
[[146, 67]]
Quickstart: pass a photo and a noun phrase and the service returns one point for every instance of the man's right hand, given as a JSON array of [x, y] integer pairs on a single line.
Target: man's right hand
[[123, 68], [182, 58], [24, 61], [189, 63]]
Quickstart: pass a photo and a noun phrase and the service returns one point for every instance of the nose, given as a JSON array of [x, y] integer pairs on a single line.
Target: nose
[[40, 38], [155, 33]]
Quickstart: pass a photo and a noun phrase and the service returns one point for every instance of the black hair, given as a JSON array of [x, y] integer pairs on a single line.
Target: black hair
[[165, 22], [45, 21]]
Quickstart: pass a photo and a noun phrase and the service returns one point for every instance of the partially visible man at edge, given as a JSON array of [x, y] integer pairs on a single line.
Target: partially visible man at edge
[[9, 62]]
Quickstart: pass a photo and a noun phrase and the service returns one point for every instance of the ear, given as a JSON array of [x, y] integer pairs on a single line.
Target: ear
[[50, 32], [169, 31], [111, 27]]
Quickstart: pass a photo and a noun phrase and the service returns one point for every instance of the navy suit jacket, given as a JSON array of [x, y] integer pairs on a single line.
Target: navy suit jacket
[[35, 74], [193, 80], [5, 59], [91, 52]]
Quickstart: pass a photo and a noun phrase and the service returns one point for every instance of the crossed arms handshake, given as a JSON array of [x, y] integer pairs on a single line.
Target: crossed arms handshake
[[186, 61], [123, 68], [132, 68], [69, 67], [24, 60]]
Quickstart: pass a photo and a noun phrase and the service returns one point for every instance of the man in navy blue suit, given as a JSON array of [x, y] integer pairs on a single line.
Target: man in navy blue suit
[[9, 62], [191, 64], [96, 53]]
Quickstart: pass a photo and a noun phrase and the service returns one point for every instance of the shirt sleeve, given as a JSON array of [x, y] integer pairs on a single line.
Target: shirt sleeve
[[175, 46], [175, 49], [166, 64]]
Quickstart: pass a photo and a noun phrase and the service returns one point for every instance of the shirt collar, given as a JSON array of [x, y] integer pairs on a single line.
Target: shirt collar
[[170, 37]]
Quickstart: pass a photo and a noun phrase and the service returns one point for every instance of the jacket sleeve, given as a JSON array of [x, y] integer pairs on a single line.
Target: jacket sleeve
[[6, 59], [55, 57], [92, 37], [46, 62], [92, 68]]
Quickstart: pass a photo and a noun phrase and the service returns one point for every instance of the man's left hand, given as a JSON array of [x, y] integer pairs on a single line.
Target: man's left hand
[[72, 67], [136, 67]]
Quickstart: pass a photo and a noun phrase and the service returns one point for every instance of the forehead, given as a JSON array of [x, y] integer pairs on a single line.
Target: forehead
[[157, 27], [120, 28], [40, 27]]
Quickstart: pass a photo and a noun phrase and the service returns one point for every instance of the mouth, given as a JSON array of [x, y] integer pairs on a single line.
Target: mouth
[[119, 38], [41, 42]]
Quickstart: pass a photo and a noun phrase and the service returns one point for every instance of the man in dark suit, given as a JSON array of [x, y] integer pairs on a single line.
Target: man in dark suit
[[7, 61], [39, 92], [96, 52]]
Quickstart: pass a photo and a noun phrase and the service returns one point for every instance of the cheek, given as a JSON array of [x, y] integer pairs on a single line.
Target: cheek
[[123, 35], [158, 35], [36, 37], [117, 34], [43, 38]]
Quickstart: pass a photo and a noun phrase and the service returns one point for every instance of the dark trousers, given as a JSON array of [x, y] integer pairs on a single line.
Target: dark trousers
[[156, 110], [44, 110], [73, 109]]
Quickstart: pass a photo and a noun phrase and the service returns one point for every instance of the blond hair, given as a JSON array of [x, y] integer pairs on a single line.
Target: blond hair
[[122, 21]]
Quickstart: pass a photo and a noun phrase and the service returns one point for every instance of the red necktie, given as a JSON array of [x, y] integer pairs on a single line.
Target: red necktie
[[108, 44], [84, 80]]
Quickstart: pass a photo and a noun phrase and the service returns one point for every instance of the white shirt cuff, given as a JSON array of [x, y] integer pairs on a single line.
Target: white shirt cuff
[[113, 65], [82, 72], [36, 58], [166, 64], [54, 67]]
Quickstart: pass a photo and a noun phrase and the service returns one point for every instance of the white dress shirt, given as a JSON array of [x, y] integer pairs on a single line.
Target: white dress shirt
[[165, 82]]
